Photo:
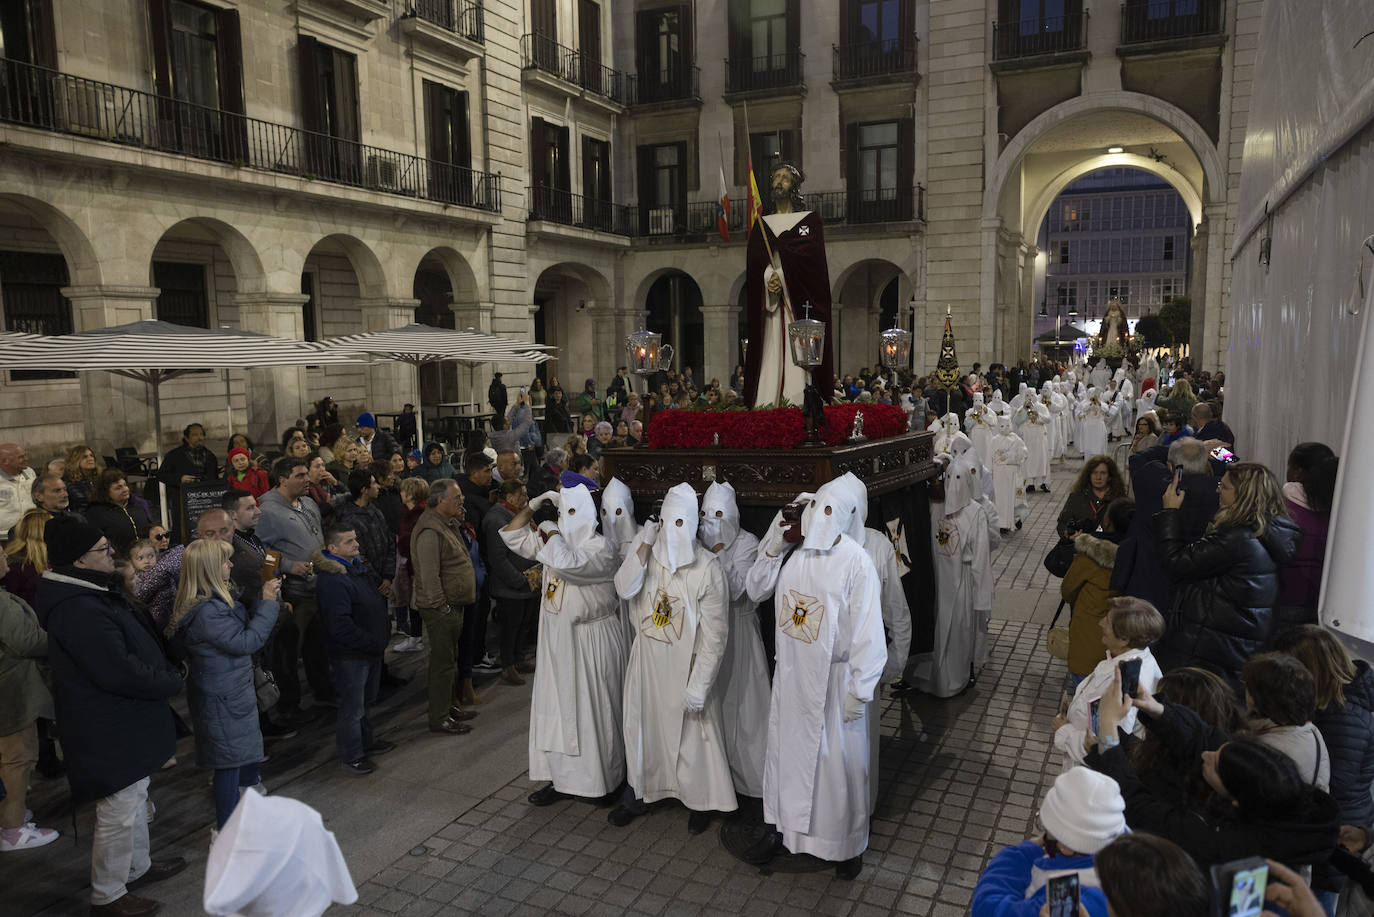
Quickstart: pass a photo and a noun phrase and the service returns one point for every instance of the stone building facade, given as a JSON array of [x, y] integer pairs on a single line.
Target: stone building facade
[[550, 169]]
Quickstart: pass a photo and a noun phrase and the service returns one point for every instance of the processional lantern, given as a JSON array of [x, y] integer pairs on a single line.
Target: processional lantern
[[646, 353], [807, 339], [894, 347]]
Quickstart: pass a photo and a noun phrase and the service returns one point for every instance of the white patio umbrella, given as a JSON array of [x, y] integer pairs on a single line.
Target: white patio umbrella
[[419, 344], [153, 352]]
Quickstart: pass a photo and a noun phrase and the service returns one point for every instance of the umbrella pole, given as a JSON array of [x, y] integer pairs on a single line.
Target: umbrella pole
[[420, 414], [154, 383]]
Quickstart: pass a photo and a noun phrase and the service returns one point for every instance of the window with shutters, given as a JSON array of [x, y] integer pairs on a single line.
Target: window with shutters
[[764, 38], [329, 110], [31, 296], [769, 149], [183, 298], [198, 74], [663, 188], [881, 167], [597, 209], [663, 52], [449, 144], [550, 172]]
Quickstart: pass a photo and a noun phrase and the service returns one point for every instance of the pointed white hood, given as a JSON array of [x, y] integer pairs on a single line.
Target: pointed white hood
[[274, 858], [618, 512], [997, 405], [961, 477], [829, 515], [978, 399], [858, 494], [719, 516], [676, 543], [576, 515]]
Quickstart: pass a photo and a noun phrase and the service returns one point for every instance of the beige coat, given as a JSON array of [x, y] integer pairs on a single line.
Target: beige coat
[[442, 571]]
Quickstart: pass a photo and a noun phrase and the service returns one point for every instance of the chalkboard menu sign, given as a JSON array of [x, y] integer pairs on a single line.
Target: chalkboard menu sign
[[196, 499]]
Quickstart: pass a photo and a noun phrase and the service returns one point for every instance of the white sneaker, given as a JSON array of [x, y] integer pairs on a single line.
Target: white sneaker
[[26, 837], [408, 645]]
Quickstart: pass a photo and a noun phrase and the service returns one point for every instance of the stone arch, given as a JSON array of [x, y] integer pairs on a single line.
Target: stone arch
[[249, 275], [83, 264], [366, 265], [676, 313], [859, 289], [596, 282], [1040, 205], [462, 278]]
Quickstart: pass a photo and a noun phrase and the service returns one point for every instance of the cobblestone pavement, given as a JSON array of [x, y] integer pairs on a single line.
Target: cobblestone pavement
[[959, 779]]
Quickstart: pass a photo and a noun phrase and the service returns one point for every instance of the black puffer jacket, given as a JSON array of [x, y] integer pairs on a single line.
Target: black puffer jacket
[[1349, 736], [1221, 610]]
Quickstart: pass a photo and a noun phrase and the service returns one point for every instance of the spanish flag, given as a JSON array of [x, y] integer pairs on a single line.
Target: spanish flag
[[754, 204]]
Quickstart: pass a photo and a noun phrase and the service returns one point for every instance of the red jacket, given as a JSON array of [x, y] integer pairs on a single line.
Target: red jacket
[[254, 481]]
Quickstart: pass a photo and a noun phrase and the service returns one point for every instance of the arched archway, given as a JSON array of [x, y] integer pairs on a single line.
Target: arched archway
[[62, 232], [673, 305], [1060, 146], [866, 298], [564, 297]]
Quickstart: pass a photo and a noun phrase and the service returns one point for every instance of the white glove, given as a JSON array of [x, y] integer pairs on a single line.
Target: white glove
[[542, 500], [773, 542], [649, 533], [853, 708], [693, 703]]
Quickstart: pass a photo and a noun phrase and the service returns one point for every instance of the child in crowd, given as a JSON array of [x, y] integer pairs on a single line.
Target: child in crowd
[[143, 555]]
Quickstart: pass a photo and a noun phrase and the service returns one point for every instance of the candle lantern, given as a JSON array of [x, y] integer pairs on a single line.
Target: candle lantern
[[894, 348], [807, 338], [646, 354]]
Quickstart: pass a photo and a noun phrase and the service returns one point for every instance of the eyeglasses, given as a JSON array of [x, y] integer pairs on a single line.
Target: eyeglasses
[[107, 550], [163, 537]]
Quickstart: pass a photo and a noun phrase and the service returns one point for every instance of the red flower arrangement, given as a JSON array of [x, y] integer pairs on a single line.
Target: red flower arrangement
[[776, 428]]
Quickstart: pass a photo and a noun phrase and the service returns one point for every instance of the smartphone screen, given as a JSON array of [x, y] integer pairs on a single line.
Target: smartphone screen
[[1061, 893], [1222, 454], [1238, 887], [1092, 708], [1130, 676], [1178, 476]]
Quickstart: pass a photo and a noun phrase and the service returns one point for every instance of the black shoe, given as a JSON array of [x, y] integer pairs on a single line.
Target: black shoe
[[459, 715], [621, 816], [159, 870], [849, 870], [362, 767], [899, 687], [1018, 525], [271, 730], [1045, 488], [698, 822], [1005, 531], [763, 850], [546, 796], [379, 747]]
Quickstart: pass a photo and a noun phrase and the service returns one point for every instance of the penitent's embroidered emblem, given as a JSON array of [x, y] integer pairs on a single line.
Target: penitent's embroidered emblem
[[947, 538], [896, 533], [803, 230], [801, 617], [664, 623], [553, 594]]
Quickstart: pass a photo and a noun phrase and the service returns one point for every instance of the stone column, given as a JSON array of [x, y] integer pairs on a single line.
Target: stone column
[[389, 385], [116, 411], [277, 396], [720, 335]]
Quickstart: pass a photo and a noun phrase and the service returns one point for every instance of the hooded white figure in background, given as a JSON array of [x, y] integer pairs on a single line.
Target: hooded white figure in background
[[963, 585], [978, 421], [1125, 399], [1146, 402], [896, 612], [1092, 424], [1035, 433], [679, 596], [743, 680], [830, 657], [619, 528], [1071, 425], [1009, 455], [1054, 404], [998, 407], [275, 858], [1018, 402], [575, 705], [1099, 375], [945, 429]]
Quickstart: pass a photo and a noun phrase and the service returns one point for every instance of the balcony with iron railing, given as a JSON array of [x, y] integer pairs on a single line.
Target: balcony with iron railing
[[870, 61], [50, 100], [771, 73], [1170, 20], [1039, 37], [677, 84], [699, 221], [568, 209], [542, 54], [462, 17]]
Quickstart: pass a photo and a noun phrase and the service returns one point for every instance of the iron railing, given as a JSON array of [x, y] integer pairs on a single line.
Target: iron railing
[[774, 71], [873, 205], [570, 209], [1042, 35], [1159, 20], [875, 58], [666, 86], [463, 17], [699, 220], [539, 52], [55, 101]]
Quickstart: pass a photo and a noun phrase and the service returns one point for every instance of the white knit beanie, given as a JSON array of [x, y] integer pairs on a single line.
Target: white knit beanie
[[1084, 809]]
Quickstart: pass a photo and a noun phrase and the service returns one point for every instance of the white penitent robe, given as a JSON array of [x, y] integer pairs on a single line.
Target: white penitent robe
[[1035, 433], [683, 618], [963, 580], [1008, 486], [575, 705], [1092, 428], [979, 424], [779, 377], [897, 628], [830, 645], [743, 679], [619, 528]]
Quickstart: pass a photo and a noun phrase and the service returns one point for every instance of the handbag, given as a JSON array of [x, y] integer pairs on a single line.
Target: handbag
[[266, 687], [1060, 558], [1057, 638]]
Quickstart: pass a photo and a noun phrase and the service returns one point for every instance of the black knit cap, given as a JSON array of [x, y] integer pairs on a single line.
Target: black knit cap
[[68, 539]]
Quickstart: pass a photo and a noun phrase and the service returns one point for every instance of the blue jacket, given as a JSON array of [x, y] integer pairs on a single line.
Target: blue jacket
[[111, 683], [219, 641], [1001, 889], [356, 623]]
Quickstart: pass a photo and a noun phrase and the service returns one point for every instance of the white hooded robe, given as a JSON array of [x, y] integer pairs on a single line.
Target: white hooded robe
[[619, 528], [1009, 455]]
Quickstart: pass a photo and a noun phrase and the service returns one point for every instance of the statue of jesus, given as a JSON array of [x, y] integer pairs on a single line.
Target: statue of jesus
[[777, 289]]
